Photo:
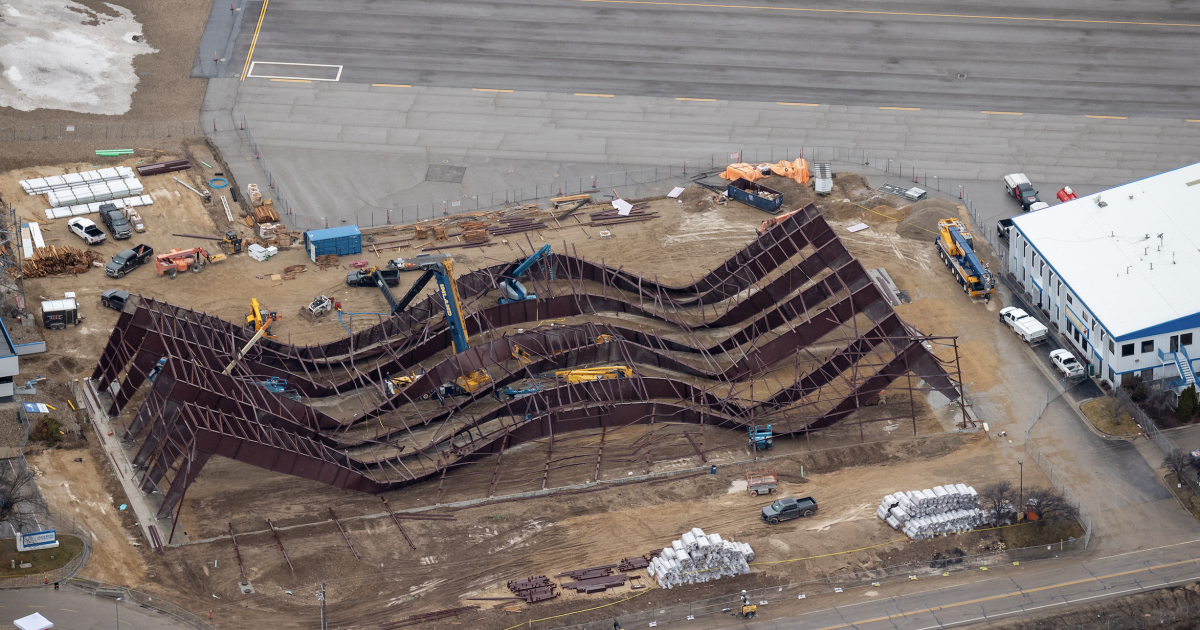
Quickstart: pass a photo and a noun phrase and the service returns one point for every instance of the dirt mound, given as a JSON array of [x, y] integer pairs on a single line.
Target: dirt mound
[[923, 217]]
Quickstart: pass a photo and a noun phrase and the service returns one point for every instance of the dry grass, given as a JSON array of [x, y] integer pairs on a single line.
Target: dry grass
[[1106, 415]]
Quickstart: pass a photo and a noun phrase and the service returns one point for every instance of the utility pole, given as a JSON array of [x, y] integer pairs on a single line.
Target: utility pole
[[118, 605], [1021, 505], [321, 598]]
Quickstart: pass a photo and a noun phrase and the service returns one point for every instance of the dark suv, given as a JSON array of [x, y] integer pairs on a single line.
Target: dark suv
[[116, 221], [788, 508]]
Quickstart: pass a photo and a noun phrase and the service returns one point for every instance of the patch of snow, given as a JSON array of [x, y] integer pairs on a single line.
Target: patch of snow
[[13, 73]]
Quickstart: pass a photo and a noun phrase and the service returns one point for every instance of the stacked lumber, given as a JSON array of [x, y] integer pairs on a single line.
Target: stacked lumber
[[572, 199], [328, 260], [295, 269], [439, 232], [421, 232], [472, 225], [475, 236], [53, 260], [265, 212]]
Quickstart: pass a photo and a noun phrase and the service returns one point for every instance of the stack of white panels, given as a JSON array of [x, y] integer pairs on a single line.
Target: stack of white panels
[[43, 185], [95, 191], [940, 510], [699, 557], [94, 207]]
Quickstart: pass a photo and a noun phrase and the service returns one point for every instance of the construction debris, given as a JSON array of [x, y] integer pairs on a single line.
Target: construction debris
[[53, 260], [475, 236], [923, 514], [265, 212], [327, 260], [699, 557]]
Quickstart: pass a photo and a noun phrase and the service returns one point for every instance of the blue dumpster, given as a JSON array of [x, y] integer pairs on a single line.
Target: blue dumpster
[[340, 241], [755, 195]]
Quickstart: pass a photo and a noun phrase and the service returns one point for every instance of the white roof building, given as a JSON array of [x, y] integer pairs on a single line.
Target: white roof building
[[1117, 272]]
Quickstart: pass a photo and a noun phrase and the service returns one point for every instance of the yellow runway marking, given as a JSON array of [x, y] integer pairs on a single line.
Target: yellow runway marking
[[903, 109], [698, 100], [68, 610], [491, 90], [596, 95], [1009, 594], [798, 104], [1106, 117], [891, 13], [389, 85], [1003, 113], [1192, 120], [254, 42], [293, 80]]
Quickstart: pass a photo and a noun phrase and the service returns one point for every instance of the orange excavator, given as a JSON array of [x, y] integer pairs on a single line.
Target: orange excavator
[[176, 260]]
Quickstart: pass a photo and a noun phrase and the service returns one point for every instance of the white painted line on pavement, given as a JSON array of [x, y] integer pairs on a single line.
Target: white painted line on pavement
[[1146, 550], [251, 74]]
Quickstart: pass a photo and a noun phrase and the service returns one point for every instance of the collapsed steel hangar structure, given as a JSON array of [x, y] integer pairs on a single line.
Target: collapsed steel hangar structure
[[790, 331]]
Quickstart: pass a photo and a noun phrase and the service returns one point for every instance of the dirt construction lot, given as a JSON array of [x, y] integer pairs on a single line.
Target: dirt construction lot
[[489, 544]]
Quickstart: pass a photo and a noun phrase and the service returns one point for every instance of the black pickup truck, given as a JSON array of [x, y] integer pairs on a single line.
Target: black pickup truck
[[362, 277], [116, 221], [788, 508], [128, 260]]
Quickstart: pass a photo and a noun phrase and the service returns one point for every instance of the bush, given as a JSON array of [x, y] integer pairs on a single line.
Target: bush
[[1133, 384], [47, 431], [1196, 507], [1187, 404]]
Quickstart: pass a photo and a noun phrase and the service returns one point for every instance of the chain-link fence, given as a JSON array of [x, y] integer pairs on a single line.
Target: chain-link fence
[[1085, 518], [102, 131], [840, 583], [144, 600], [624, 183]]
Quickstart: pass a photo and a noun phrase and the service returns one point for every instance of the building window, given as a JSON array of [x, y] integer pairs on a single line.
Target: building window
[[1069, 300], [1083, 344], [1112, 377], [1059, 290], [1147, 346], [1041, 267], [1185, 339], [1127, 350], [1111, 346], [1148, 375]]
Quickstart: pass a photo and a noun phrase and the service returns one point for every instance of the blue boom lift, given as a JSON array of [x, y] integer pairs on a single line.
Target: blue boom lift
[[955, 247], [511, 288], [441, 268]]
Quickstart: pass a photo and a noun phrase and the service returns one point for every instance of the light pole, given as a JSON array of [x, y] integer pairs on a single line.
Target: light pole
[[118, 605], [1022, 499]]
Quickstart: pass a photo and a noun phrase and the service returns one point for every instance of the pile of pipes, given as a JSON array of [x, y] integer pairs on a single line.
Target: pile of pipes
[[921, 514], [699, 557], [85, 187]]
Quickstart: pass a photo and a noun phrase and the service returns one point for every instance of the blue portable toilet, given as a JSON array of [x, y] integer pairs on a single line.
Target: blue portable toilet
[[340, 241]]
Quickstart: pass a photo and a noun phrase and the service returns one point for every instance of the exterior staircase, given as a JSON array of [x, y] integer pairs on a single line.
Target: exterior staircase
[[1184, 363]]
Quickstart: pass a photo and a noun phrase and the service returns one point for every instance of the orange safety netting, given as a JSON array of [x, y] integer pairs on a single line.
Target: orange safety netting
[[797, 170], [743, 170]]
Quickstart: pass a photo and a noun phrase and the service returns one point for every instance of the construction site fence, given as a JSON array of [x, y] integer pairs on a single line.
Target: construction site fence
[[626, 183], [1085, 518], [143, 600], [102, 131], [833, 584]]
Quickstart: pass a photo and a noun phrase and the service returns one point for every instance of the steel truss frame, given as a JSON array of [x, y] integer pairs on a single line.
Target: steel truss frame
[[817, 342]]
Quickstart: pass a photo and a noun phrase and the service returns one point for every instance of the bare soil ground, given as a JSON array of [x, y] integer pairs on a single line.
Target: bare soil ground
[[165, 91], [848, 467]]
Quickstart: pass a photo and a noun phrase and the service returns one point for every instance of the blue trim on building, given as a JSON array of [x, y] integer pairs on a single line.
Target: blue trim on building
[[1182, 323]]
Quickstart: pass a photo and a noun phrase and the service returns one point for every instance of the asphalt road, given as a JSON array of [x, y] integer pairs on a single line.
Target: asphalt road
[[1075, 57], [71, 609]]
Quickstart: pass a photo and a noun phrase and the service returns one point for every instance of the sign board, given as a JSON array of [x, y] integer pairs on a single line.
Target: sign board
[[37, 540], [36, 407]]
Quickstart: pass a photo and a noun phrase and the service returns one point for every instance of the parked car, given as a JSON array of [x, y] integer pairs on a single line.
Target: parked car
[[128, 260], [1066, 363], [86, 229], [788, 508], [115, 221], [1003, 228], [114, 299], [1019, 187], [1026, 327]]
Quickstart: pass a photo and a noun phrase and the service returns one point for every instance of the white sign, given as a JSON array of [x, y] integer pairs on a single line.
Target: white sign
[[623, 207], [37, 540], [857, 227], [675, 192]]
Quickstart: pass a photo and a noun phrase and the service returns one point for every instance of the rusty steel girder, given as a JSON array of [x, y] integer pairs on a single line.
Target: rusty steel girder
[[811, 291]]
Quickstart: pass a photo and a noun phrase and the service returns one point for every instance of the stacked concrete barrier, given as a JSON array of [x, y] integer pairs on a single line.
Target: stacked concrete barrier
[[941, 510], [699, 557]]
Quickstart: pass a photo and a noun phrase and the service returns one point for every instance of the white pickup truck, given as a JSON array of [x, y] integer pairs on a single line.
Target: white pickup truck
[[1028, 328]]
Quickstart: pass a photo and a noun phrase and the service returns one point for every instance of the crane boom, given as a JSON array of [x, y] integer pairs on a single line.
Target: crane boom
[[510, 285]]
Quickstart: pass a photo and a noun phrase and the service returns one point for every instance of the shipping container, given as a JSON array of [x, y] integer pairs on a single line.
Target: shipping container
[[340, 241], [755, 195]]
